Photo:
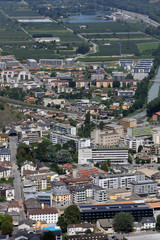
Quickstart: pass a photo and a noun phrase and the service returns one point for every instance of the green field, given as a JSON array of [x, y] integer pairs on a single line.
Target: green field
[[147, 46], [17, 9], [103, 27]]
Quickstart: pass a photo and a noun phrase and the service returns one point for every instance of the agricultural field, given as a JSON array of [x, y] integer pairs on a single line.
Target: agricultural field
[[142, 47], [17, 9], [103, 27]]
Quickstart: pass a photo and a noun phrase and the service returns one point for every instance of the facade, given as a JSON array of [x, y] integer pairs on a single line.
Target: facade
[[99, 194], [126, 123], [78, 194], [103, 153], [50, 215], [146, 187], [51, 62], [149, 222], [27, 165], [5, 154], [45, 197], [94, 236], [95, 212], [64, 128], [60, 138], [126, 93], [5, 172], [115, 181], [132, 142], [74, 229], [42, 180], [32, 63], [108, 136], [61, 195]]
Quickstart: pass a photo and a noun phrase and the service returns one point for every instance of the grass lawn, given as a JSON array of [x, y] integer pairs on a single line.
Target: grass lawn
[[147, 46]]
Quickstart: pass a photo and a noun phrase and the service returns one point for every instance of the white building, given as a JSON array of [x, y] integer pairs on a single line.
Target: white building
[[64, 128], [27, 165], [49, 215], [74, 229], [115, 181], [116, 155], [60, 138], [156, 138], [5, 154], [24, 76], [132, 142]]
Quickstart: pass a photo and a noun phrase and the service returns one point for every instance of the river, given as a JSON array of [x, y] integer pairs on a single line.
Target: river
[[152, 94]]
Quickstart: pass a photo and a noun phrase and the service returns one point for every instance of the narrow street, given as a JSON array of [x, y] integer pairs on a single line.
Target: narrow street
[[16, 176]]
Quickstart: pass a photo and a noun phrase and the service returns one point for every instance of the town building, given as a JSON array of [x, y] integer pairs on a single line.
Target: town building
[[81, 228], [115, 181], [51, 62], [50, 215], [45, 197], [78, 194], [99, 194], [144, 188], [108, 136], [64, 128], [60, 138], [98, 154], [5, 154], [61, 195], [95, 212]]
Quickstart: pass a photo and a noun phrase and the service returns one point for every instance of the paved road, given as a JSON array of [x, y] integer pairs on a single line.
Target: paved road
[[16, 176]]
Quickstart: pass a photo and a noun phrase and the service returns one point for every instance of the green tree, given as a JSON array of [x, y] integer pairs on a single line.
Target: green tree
[[48, 236], [62, 223], [158, 221], [83, 48], [63, 156], [70, 146], [116, 84], [105, 167], [8, 218], [7, 227], [123, 222], [130, 158], [101, 125], [140, 148], [1, 219], [72, 214], [3, 129]]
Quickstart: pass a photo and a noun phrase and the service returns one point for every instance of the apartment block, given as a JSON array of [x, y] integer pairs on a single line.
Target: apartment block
[[143, 188], [108, 136], [60, 138], [115, 181], [64, 128]]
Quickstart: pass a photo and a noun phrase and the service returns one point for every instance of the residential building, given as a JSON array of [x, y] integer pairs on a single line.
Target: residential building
[[65, 89], [149, 222], [95, 212], [42, 179], [27, 165], [5, 172], [51, 62], [97, 77], [50, 215], [105, 225], [47, 39], [156, 138], [126, 93], [115, 181], [126, 123], [32, 63], [5, 154], [81, 228], [28, 225], [78, 194], [69, 61], [108, 136], [61, 195], [60, 138], [45, 197], [93, 236], [131, 142], [64, 128], [99, 194], [145, 187]]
